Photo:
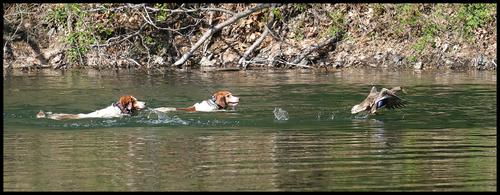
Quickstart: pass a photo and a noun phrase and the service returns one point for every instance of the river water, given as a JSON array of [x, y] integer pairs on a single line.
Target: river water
[[443, 140]]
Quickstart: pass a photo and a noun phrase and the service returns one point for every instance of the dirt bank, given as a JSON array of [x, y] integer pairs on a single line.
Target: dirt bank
[[250, 36]]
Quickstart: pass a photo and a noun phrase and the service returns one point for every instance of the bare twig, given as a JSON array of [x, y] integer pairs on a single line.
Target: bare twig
[[110, 42], [257, 42], [217, 28], [149, 52], [102, 8], [208, 42], [314, 47], [14, 14], [294, 64], [275, 35], [218, 9], [80, 56], [261, 62], [13, 34], [192, 10], [149, 21], [137, 63]]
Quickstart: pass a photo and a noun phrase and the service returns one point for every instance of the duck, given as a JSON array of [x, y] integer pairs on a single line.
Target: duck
[[385, 98]]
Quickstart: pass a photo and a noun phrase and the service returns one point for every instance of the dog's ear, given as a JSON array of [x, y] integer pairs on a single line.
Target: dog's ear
[[129, 106], [220, 99], [127, 101]]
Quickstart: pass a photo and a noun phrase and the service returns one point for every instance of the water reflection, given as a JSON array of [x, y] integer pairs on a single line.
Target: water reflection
[[444, 140]]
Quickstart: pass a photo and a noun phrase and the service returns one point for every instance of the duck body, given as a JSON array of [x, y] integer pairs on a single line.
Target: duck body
[[375, 100]]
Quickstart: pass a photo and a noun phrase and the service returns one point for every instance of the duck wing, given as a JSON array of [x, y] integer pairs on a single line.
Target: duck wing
[[388, 98]]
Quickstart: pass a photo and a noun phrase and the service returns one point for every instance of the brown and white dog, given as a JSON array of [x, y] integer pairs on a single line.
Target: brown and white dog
[[126, 105], [219, 101]]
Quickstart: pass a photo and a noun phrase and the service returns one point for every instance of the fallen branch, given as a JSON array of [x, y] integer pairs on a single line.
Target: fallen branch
[[314, 47], [208, 42], [135, 62], [268, 61], [257, 42], [102, 8], [294, 64], [217, 28], [13, 34], [192, 10]]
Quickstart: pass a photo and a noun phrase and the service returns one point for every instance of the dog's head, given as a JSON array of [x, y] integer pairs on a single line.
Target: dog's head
[[225, 99], [130, 103]]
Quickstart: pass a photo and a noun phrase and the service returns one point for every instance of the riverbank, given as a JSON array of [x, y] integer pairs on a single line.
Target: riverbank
[[329, 37]]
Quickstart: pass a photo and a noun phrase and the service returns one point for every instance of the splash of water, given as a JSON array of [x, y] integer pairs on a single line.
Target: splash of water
[[325, 116], [280, 114], [362, 115], [156, 117]]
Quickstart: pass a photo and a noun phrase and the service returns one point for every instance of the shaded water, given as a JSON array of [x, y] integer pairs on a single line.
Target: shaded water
[[444, 140]]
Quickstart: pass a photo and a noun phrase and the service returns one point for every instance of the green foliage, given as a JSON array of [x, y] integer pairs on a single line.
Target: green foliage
[[472, 16], [299, 36], [420, 44], [411, 21], [80, 38], [412, 58], [277, 13], [163, 13], [81, 41], [101, 29], [429, 32], [299, 31], [407, 16], [337, 25], [301, 7], [439, 12], [149, 40], [430, 29], [378, 9], [57, 16]]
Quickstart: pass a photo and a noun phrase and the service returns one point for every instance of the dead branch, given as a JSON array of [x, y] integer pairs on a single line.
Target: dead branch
[[210, 20], [102, 8], [13, 34], [135, 62], [148, 51], [257, 42], [217, 28], [110, 41], [269, 61], [149, 21], [192, 10], [314, 47], [293, 64]]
